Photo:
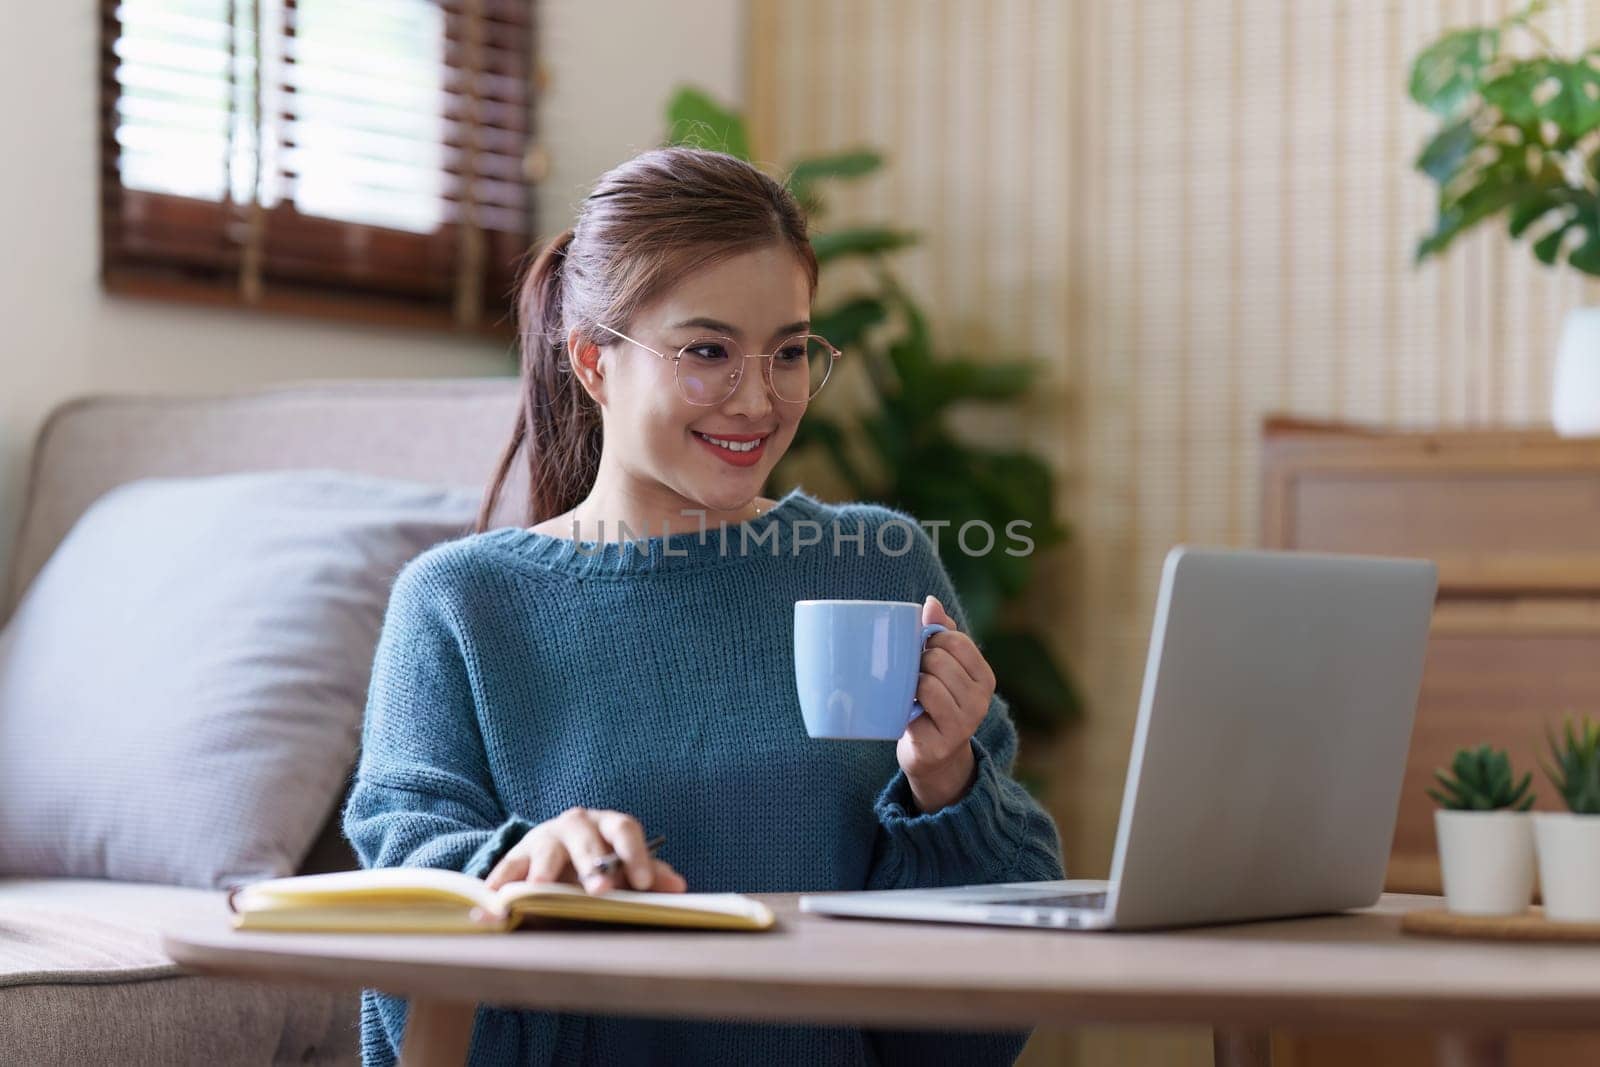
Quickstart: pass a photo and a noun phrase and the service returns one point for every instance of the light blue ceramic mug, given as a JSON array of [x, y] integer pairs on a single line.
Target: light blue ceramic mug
[[856, 664]]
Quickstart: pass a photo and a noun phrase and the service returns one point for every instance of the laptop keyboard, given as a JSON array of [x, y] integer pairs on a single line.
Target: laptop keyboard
[[1090, 901]]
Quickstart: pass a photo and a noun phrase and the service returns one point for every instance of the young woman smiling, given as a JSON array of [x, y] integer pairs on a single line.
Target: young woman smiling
[[545, 694]]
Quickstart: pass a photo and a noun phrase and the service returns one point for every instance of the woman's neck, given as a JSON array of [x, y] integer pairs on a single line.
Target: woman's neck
[[653, 511]]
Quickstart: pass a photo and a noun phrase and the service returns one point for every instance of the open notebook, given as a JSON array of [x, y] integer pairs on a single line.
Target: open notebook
[[432, 900]]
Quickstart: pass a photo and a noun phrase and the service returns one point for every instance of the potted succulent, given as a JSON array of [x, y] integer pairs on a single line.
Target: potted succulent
[[1569, 841], [1485, 842]]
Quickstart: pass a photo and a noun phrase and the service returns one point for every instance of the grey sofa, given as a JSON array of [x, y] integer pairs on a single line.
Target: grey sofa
[[82, 976]]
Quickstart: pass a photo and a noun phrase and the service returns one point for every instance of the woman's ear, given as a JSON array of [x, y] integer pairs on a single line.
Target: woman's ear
[[584, 355]]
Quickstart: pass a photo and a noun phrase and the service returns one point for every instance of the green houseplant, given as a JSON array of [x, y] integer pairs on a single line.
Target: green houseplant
[[1519, 137], [900, 450], [1513, 138], [1569, 841], [1486, 855]]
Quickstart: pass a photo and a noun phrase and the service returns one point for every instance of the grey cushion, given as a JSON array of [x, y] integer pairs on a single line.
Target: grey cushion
[[446, 432], [83, 980], [437, 431], [181, 687]]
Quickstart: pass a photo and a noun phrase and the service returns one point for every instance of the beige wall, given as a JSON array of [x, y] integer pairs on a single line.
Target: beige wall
[[1196, 212], [64, 337]]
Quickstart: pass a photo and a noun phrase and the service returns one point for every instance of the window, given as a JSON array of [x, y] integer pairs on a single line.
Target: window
[[357, 158]]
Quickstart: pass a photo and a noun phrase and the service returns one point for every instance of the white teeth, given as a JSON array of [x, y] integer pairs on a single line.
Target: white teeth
[[732, 446]]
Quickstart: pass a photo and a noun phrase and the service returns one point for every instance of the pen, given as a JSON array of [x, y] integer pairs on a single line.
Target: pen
[[608, 863]]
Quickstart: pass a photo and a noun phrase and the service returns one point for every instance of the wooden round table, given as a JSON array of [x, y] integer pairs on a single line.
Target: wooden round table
[[1355, 970]]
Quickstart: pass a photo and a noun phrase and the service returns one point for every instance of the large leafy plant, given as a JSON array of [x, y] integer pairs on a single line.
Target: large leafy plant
[[900, 450], [1517, 136]]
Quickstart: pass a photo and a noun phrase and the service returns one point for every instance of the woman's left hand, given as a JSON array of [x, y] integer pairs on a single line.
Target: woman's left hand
[[954, 688]]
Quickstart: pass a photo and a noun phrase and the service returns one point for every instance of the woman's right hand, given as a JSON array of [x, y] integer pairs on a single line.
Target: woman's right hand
[[565, 848]]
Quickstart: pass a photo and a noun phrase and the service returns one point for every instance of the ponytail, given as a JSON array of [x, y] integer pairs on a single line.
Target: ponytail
[[563, 447]]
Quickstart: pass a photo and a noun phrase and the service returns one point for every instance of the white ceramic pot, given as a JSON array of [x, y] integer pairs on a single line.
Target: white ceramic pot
[[1486, 858], [1569, 865], [1575, 395]]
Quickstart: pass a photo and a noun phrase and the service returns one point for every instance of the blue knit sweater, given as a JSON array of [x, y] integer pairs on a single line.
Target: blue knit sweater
[[517, 676]]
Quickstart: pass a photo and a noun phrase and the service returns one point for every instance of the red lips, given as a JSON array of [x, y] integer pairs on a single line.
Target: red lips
[[736, 459]]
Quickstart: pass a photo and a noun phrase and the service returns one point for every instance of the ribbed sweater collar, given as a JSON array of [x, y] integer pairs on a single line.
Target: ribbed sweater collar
[[688, 550]]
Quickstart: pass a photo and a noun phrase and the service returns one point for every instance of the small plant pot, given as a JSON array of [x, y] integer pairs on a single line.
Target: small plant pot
[[1487, 860], [1569, 865]]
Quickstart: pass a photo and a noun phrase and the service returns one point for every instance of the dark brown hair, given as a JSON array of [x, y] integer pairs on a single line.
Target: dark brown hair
[[647, 223]]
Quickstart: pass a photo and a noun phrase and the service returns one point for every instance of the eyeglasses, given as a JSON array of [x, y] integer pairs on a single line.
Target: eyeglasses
[[708, 369]]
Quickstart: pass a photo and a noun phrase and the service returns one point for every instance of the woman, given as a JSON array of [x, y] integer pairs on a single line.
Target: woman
[[543, 695]]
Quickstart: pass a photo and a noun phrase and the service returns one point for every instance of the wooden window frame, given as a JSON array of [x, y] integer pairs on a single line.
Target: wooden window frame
[[458, 279]]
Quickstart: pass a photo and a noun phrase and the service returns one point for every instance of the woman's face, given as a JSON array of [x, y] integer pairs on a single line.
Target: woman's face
[[757, 298]]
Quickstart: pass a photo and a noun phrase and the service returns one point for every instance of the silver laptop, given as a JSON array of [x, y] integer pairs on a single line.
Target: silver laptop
[[1264, 781]]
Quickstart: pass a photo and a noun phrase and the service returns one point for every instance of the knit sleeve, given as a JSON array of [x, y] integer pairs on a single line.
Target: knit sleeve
[[996, 832], [423, 795]]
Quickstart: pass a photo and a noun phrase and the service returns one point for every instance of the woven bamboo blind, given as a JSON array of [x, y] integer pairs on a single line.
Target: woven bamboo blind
[[354, 158]]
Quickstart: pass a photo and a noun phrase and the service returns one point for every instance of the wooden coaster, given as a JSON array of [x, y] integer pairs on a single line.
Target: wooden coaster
[[1529, 926]]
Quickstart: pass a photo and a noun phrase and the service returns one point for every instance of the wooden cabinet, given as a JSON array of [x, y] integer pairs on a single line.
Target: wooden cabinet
[[1513, 520]]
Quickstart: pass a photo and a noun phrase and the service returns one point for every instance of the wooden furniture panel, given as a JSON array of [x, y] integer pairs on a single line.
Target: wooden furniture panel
[[1422, 512], [1503, 514], [1513, 520]]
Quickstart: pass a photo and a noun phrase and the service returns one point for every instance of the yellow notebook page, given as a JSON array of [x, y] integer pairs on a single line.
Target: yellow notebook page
[[702, 911], [391, 920]]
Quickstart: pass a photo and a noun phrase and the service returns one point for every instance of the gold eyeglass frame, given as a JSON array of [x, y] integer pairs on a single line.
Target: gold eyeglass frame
[[677, 360]]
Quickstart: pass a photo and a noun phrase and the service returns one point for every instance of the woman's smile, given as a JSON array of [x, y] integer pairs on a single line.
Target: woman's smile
[[738, 449]]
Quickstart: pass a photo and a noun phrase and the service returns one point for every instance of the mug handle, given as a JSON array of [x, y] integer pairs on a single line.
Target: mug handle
[[927, 632]]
